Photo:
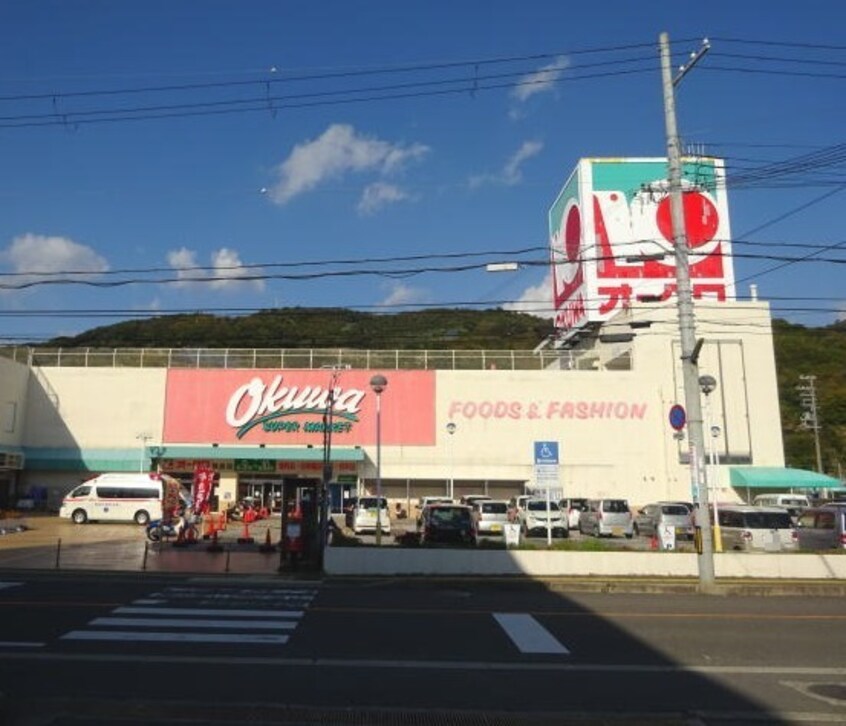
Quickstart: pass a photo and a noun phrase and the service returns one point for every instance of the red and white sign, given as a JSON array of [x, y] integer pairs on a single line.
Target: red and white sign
[[293, 407], [203, 481], [611, 237]]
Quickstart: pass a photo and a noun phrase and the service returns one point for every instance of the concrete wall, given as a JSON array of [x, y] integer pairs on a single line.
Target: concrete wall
[[351, 561]]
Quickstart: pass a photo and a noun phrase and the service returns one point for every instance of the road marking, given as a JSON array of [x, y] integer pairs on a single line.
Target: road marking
[[183, 623], [528, 634], [154, 637], [208, 611], [4, 585]]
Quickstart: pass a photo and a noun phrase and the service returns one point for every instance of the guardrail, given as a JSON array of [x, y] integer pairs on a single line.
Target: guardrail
[[307, 358]]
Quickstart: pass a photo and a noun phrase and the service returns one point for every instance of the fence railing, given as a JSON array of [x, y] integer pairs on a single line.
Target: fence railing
[[308, 358]]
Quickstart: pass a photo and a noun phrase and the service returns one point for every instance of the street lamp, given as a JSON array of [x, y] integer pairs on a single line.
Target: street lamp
[[451, 427], [378, 383], [708, 384]]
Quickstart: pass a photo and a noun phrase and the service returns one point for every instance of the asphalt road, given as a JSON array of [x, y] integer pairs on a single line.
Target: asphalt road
[[91, 649]]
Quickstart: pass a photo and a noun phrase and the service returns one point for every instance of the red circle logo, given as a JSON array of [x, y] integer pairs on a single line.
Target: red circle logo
[[701, 219]]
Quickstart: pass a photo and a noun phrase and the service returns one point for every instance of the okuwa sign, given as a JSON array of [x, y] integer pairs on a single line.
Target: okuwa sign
[[289, 407]]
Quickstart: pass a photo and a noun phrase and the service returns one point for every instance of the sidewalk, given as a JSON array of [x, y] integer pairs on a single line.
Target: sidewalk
[[51, 543]]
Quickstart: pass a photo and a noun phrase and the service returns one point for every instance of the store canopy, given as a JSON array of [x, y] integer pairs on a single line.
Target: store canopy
[[775, 477], [274, 453]]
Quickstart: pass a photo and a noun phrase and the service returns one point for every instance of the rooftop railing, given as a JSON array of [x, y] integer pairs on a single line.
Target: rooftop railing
[[302, 358]]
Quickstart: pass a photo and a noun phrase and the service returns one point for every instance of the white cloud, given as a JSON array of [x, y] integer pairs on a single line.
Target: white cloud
[[34, 253], [541, 81], [226, 271], [338, 151], [377, 195], [511, 173], [401, 294], [535, 300]]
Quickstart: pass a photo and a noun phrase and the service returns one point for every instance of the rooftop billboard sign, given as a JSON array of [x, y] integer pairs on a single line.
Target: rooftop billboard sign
[[611, 244]]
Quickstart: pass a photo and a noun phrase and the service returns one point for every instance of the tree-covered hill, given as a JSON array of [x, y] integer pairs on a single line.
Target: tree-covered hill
[[799, 351]]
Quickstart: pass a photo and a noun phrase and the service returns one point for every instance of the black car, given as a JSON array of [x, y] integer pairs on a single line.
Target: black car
[[447, 523]]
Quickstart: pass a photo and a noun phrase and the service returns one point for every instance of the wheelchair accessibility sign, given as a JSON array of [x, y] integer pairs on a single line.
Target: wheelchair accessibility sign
[[546, 452]]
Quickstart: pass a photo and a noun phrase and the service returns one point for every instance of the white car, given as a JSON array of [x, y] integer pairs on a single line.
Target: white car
[[364, 515], [536, 519]]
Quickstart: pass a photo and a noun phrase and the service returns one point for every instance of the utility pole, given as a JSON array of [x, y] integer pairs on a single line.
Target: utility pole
[[689, 346], [810, 419]]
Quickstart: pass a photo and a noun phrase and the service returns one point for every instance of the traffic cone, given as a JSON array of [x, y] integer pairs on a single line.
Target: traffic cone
[[208, 526], [653, 543], [214, 545], [245, 537], [268, 545], [223, 519]]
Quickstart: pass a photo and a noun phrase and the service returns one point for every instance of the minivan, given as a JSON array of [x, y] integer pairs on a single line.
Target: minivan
[[365, 515], [606, 517], [124, 497], [764, 529], [822, 528], [793, 503], [491, 516]]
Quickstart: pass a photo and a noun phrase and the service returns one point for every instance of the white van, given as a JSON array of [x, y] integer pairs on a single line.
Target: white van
[[120, 497], [793, 503]]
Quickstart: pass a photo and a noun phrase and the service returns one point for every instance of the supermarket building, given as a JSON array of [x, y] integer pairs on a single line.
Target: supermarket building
[[450, 422]]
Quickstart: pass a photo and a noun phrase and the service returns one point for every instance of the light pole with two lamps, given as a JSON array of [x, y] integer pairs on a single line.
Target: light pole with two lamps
[[708, 384], [378, 383]]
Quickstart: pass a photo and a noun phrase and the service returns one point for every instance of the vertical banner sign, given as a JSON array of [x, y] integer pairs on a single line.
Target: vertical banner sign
[[203, 479]]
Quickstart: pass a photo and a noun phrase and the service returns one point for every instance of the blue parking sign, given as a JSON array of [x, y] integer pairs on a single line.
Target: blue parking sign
[[546, 452]]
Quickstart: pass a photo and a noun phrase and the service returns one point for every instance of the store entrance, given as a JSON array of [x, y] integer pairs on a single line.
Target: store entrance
[[263, 492]]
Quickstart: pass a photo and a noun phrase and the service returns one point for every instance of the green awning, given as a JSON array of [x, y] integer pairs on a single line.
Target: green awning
[[271, 453], [775, 477], [84, 460]]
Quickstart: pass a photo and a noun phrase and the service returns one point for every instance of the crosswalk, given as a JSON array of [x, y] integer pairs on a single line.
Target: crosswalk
[[196, 614]]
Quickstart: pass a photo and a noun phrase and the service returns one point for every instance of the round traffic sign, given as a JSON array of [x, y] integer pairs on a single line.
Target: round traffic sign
[[678, 417]]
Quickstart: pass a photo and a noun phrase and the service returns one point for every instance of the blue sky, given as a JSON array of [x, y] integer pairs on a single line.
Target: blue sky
[[465, 159]]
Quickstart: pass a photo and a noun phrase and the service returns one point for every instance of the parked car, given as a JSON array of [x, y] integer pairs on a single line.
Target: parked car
[[822, 528], [747, 528], [447, 523], [537, 519], [607, 517], [471, 499], [517, 505], [573, 508], [795, 504], [491, 516], [365, 515], [427, 500], [652, 517]]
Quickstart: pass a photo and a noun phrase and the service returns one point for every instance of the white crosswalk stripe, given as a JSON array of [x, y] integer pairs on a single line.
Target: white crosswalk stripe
[[203, 615]]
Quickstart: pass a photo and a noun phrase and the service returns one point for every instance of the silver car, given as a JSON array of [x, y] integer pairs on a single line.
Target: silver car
[[651, 518], [491, 516], [822, 528], [766, 529], [606, 517]]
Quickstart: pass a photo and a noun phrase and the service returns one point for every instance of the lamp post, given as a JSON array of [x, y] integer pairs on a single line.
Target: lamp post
[[450, 428], [708, 384], [378, 383]]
